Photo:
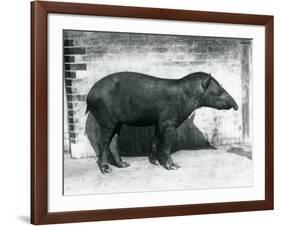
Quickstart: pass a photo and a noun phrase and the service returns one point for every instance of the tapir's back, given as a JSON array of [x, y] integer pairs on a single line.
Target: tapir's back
[[130, 80], [123, 84]]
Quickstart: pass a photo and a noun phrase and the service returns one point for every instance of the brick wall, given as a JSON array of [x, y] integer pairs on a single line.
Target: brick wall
[[74, 100], [89, 56]]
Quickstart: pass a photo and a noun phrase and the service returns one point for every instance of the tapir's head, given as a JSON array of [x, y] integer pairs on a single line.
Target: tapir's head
[[215, 96]]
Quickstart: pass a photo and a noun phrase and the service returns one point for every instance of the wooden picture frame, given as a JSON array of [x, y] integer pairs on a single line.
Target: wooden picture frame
[[39, 112]]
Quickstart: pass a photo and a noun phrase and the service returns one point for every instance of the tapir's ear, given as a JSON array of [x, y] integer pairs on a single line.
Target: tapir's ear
[[206, 82]]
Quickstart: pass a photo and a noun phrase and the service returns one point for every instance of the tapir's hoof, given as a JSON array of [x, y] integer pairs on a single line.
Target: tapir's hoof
[[104, 168], [176, 165], [152, 159], [170, 165], [122, 164]]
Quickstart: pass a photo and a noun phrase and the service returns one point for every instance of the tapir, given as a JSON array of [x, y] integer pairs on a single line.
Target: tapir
[[138, 99]]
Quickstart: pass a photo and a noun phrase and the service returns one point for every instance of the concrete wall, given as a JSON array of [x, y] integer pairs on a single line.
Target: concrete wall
[[93, 55]]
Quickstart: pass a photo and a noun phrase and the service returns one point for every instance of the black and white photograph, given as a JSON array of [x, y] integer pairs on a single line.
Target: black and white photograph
[[155, 112]]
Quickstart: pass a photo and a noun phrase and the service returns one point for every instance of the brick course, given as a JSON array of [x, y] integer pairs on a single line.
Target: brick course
[[74, 50]]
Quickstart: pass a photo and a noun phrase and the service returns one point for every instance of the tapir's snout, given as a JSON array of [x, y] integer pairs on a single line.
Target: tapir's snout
[[232, 103], [235, 106]]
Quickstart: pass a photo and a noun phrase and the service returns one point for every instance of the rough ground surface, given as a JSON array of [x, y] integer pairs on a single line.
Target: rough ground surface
[[200, 169]]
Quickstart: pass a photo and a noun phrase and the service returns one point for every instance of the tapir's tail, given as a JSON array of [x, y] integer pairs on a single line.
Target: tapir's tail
[[87, 110]]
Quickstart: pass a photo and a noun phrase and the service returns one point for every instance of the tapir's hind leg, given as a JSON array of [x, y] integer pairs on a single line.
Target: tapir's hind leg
[[115, 150], [104, 141]]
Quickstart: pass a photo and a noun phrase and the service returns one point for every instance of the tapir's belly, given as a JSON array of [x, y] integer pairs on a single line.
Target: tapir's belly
[[137, 114], [140, 123]]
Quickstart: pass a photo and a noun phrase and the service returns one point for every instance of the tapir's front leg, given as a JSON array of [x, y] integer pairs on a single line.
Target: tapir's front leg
[[166, 137], [153, 155]]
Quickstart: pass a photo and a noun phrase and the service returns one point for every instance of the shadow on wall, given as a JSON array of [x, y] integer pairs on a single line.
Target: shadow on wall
[[137, 141]]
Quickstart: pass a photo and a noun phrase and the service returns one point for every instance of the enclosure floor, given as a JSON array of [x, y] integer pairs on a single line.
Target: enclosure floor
[[200, 169]]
